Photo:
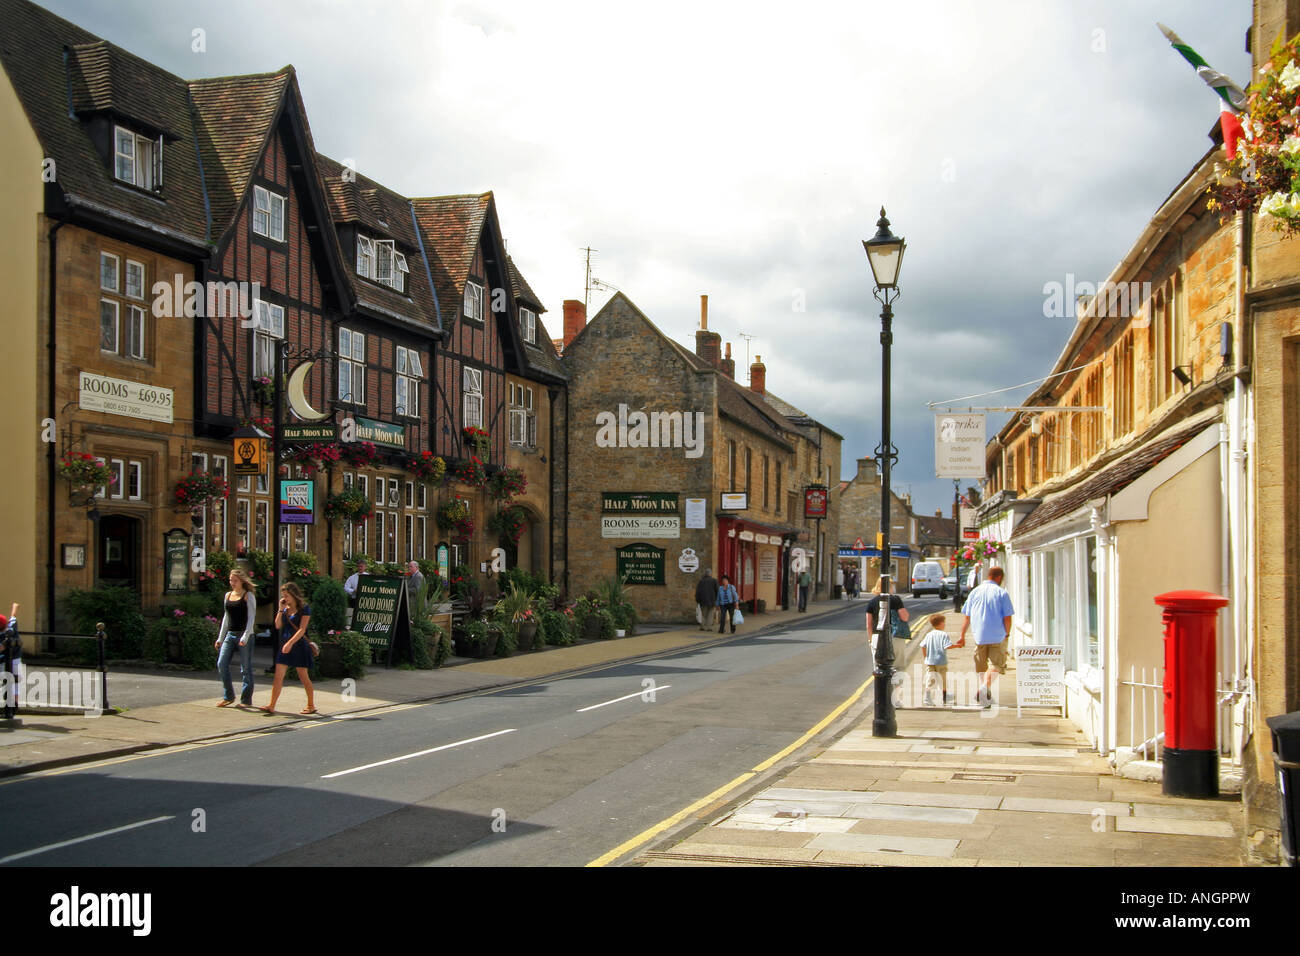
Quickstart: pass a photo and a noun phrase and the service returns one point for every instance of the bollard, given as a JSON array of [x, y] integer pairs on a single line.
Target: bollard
[[1191, 753], [100, 638]]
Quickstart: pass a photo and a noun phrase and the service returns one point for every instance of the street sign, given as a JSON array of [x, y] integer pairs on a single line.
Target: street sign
[[858, 544], [959, 445]]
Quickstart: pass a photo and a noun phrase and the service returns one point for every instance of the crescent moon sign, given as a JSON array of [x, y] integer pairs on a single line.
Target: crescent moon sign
[[298, 399]]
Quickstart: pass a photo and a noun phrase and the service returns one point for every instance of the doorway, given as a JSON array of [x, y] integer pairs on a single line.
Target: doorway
[[118, 552]]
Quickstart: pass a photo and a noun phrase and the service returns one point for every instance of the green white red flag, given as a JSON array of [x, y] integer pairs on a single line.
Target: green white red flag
[[1233, 97]]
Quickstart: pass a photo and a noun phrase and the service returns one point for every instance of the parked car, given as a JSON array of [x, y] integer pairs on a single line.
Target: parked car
[[927, 578], [962, 577]]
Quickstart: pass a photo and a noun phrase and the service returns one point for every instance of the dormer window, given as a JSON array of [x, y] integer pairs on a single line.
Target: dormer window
[[379, 259], [365, 257], [474, 301], [528, 323], [268, 214], [137, 160]]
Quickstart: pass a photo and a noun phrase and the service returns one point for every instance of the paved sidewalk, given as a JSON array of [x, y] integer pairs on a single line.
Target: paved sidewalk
[[169, 708], [961, 786]]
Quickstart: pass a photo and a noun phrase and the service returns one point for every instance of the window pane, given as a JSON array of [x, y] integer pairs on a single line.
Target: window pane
[[133, 480], [135, 333], [124, 165], [108, 272], [143, 162], [134, 280], [401, 360], [358, 347], [277, 217], [108, 326]]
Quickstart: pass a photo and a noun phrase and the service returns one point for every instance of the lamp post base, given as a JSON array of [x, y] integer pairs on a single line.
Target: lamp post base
[[884, 723]]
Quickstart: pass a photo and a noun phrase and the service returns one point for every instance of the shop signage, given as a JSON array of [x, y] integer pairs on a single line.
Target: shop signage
[[638, 502], [444, 562], [970, 534], [1040, 675], [814, 501], [250, 455], [735, 500], [99, 393], [640, 527], [381, 433], [176, 561], [697, 512], [641, 563], [311, 433], [767, 567], [746, 536], [959, 445], [381, 615], [296, 499], [688, 562], [762, 539]]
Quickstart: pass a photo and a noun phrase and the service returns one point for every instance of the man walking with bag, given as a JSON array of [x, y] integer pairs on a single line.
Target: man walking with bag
[[706, 599]]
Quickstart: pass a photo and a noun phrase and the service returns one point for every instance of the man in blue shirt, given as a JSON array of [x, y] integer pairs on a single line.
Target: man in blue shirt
[[988, 612]]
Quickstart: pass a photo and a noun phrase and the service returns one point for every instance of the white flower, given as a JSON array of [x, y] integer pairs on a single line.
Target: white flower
[[1292, 145], [1281, 206], [1290, 76]]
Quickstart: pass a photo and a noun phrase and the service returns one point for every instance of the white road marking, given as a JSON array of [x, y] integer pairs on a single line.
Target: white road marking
[[92, 836], [431, 750], [640, 693]]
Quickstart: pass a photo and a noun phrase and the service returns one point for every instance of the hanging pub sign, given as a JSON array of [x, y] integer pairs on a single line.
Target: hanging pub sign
[[640, 563], [296, 502], [176, 561], [814, 501], [248, 445], [382, 617]]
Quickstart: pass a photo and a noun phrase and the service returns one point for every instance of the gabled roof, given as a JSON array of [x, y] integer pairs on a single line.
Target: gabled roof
[[98, 78], [233, 120], [937, 529], [520, 288], [540, 358], [796, 415], [452, 227], [379, 212]]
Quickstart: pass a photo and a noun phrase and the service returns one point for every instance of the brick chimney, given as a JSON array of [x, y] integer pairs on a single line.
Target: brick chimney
[[728, 366], [575, 319], [758, 375], [708, 345], [867, 470]]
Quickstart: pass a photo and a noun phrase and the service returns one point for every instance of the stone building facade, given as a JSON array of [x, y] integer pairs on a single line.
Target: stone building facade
[[859, 500]]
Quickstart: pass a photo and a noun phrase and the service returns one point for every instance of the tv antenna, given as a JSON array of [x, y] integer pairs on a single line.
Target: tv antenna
[[747, 337]]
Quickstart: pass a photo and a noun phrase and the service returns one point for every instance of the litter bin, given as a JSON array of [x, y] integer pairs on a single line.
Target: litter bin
[[1286, 759]]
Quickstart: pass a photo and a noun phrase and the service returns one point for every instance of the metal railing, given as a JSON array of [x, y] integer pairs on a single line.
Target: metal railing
[[1146, 713], [100, 637]]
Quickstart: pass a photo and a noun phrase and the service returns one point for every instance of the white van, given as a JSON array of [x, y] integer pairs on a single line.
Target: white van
[[927, 578]]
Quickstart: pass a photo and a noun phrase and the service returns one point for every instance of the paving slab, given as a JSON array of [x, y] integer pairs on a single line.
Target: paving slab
[[872, 843], [1203, 828]]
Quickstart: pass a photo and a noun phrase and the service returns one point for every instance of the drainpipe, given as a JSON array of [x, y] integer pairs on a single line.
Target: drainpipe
[[1242, 598], [51, 470]]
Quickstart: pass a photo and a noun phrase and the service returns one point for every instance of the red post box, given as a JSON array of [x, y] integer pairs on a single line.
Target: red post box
[[1191, 755]]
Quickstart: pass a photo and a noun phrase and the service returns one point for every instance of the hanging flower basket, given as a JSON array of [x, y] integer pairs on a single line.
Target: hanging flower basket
[[1265, 174], [318, 454], [471, 472], [350, 504], [359, 454], [479, 440], [427, 468], [507, 483], [985, 549], [79, 470], [509, 524], [200, 488], [451, 513], [263, 389], [261, 421]]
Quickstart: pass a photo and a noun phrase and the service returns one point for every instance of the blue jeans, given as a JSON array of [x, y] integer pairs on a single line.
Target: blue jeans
[[228, 648]]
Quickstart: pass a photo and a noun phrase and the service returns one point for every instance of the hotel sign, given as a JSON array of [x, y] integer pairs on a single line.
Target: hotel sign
[[381, 433], [638, 502], [641, 564], [612, 526], [99, 393]]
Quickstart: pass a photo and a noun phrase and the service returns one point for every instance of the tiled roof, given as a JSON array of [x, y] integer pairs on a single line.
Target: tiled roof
[[1110, 480], [233, 119], [541, 357], [381, 213], [102, 78], [520, 288], [796, 415], [452, 227], [937, 529]]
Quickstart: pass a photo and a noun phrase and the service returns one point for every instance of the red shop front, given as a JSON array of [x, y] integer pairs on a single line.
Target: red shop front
[[755, 557]]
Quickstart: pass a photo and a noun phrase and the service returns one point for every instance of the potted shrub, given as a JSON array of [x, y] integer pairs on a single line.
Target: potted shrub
[[585, 613], [481, 638], [515, 611], [343, 654]]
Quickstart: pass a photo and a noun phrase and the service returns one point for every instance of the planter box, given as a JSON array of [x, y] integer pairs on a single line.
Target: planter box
[[330, 661], [591, 628], [527, 636], [443, 620]]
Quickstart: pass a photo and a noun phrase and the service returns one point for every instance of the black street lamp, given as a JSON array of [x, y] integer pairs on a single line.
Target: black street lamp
[[885, 253]]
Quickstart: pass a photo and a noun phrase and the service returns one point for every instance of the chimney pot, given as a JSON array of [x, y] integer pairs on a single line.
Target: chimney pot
[[758, 376], [575, 319], [704, 312]]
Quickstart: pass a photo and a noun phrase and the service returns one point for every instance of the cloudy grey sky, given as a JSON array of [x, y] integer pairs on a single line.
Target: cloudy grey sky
[[744, 150]]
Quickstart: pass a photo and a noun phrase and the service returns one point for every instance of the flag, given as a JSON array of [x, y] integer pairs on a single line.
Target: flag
[[1232, 95]]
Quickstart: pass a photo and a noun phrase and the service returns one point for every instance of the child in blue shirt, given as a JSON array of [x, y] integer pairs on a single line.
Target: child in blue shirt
[[936, 644]]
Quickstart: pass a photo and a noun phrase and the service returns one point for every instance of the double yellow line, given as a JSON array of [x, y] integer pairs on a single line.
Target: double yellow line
[[647, 835]]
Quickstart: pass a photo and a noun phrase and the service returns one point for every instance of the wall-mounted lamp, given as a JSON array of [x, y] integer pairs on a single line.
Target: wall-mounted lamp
[[1036, 425], [1183, 374]]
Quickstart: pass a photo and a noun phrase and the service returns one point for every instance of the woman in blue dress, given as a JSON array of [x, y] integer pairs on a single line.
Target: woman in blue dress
[[293, 650]]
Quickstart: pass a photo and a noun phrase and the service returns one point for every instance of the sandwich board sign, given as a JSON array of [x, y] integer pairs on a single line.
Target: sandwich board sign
[[1040, 676], [382, 617]]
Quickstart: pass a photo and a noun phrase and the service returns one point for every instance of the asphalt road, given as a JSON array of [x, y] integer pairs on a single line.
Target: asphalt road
[[552, 773]]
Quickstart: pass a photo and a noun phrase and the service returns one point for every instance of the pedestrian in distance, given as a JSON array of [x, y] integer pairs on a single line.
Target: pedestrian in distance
[[350, 585], [728, 598], [294, 650], [706, 599], [936, 644], [988, 613], [236, 634], [895, 606], [11, 649], [805, 582], [839, 580], [414, 582], [852, 582]]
